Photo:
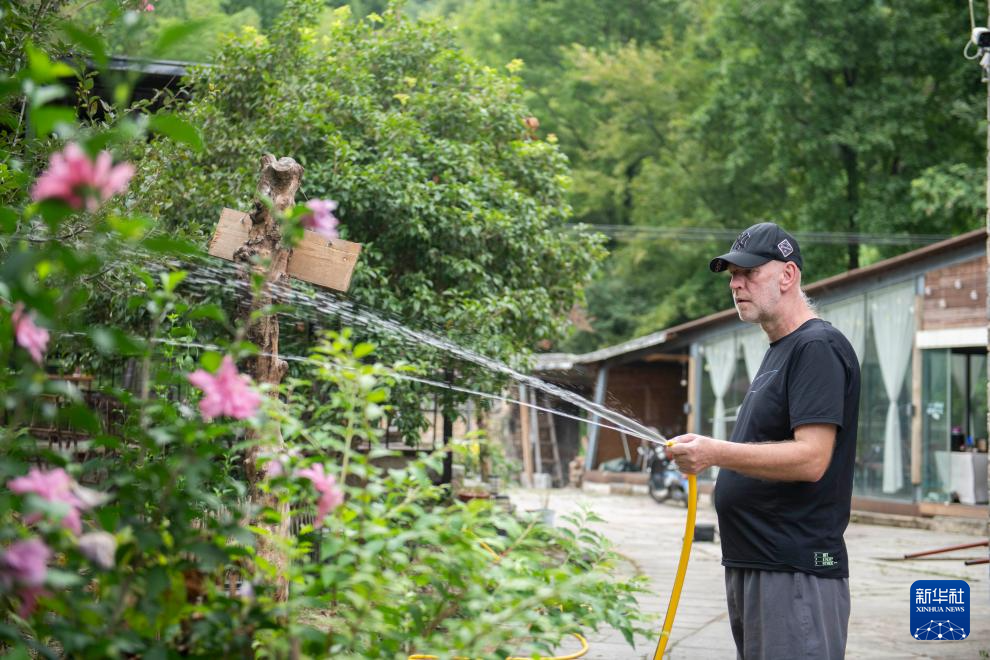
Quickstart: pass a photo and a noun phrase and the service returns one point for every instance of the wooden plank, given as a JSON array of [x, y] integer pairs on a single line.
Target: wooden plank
[[315, 259], [325, 262], [230, 234]]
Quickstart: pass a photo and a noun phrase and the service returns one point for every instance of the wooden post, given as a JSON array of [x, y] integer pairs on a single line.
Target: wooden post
[[527, 450], [534, 431], [601, 384], [279, 181], [693, 423], [558, 468], [917, 419]]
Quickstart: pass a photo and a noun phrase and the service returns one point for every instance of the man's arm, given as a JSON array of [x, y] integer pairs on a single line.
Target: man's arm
[[805, 458]]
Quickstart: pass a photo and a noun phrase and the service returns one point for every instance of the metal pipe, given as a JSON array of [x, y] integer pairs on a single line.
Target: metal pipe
[[600, 383], [950, 548]]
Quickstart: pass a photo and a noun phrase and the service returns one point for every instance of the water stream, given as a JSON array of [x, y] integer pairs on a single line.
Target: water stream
[[207, 276]]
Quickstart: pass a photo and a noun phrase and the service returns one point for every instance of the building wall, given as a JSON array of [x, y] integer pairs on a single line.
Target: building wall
[[653, 393], [955, 296]]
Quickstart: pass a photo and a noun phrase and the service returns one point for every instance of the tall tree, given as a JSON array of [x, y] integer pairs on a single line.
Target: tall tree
[[841, 116], [841, 106]]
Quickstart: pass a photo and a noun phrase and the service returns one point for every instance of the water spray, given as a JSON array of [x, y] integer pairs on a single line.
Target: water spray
[[323, 302]]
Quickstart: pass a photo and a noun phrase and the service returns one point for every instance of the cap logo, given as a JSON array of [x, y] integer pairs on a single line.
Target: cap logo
[[741, 242], [785, 248]]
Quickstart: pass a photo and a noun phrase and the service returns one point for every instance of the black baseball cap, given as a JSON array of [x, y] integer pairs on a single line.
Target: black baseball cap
[[756, 246]]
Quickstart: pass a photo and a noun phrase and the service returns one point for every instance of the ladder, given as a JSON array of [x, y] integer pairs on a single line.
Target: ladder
[[546, 442]]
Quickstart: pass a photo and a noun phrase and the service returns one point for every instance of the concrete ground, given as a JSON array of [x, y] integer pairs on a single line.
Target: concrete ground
[[649, 536]]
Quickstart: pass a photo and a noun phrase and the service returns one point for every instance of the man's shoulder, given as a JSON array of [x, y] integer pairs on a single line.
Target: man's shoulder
[[829, 340], [818, 329]]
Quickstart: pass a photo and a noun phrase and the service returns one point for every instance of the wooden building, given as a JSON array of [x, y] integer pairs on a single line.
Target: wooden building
[[918, 323]]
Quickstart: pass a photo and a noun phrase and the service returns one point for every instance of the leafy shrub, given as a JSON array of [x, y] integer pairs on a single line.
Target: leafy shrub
[[460, 208]]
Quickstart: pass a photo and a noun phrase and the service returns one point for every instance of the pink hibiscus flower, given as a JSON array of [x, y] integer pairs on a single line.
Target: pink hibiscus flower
[[25, 563], [321, 218], [24, 566], [99, 547], [78, 181], [28, 335], [53, 486], [226, 393], [326, 485]]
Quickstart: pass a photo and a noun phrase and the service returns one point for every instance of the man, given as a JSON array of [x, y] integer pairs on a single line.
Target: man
[[784, 489]]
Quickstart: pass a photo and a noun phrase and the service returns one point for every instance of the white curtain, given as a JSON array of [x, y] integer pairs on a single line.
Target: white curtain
[[892, 312], [754, 346], [849, 318], [721, 359]]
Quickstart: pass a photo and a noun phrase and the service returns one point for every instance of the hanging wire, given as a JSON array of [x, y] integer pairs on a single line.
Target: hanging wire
[[626, 232]]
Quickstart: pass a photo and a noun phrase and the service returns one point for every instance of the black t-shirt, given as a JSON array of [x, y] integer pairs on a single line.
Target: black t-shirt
[[810, 376]]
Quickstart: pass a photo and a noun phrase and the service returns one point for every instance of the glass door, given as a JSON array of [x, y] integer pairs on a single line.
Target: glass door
[[936, 409], [954, 428]]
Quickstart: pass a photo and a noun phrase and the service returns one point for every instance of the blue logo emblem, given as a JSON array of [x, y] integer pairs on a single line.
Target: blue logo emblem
[[940, 610]]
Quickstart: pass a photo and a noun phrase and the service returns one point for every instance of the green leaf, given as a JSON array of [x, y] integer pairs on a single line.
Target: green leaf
[[114, 341], [88, 41], [211, 360], [54, 211], [172, 279], [52, 119], [175, 34], [363, 349], [211, 311], [46, 93], [170, 246], [177, 129], [8, 86], [9, 119], [8, 220], [41, 69], [19, 652], [129, 228]]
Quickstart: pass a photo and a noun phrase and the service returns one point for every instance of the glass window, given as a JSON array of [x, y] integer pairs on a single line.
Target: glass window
[[883, 466], [935, 426]]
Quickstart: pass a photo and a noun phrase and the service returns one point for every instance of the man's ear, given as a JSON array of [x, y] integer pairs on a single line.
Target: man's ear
[[790, 276]]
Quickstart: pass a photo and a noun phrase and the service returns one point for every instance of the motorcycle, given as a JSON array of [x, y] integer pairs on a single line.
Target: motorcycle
[[666, 481]]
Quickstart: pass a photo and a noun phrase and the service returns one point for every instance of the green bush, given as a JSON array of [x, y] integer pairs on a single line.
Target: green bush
[[460, 209]]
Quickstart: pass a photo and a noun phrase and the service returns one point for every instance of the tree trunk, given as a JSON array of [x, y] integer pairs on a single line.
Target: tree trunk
[[850, 162], [264, 252]]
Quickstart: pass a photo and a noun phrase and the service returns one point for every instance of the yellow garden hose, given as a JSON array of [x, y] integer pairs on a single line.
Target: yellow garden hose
[[675, 594]]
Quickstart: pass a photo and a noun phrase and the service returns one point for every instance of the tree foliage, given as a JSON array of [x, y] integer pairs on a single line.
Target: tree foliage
[[823, 116], [460, 209]]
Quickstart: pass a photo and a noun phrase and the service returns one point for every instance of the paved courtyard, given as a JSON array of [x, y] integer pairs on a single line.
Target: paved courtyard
[[649, 536]]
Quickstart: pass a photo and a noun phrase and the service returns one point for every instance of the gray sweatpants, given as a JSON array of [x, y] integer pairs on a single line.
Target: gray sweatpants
[[777, 615]]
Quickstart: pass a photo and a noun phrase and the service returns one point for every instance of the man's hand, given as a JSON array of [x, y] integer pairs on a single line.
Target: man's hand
[[805, 457], [694, 453]]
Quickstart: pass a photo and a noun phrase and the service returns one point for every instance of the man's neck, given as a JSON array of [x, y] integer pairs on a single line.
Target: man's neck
[[788, 322]]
